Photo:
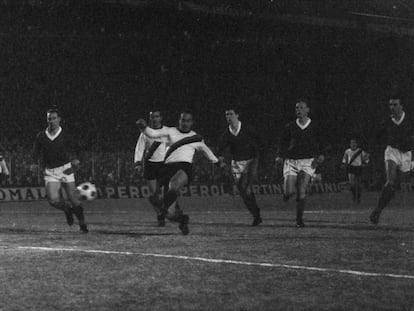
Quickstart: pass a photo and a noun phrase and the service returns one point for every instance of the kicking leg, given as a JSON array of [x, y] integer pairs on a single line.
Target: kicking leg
[[77, 208], [179, 180]]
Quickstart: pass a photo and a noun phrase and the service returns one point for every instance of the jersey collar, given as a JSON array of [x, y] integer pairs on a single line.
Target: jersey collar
[[302, 127], [235, 133], [53, 137], [400, 120]]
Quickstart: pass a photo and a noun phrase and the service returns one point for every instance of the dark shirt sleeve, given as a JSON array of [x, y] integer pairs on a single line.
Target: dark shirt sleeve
[[259, 143], [284, 141]]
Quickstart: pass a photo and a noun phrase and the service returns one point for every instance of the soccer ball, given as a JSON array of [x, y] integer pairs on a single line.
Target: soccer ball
[[87, 191]]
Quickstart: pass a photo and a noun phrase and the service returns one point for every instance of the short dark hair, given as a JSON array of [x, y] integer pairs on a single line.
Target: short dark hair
[[186, 111], [54, 109], [155, 110], [396, 96], [302, 100], [234, 107]]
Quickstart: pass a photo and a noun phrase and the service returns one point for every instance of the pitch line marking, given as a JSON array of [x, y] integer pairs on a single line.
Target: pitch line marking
[[224, 261]]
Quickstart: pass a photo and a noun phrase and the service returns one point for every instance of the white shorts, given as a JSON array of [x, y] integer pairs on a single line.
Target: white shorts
[[292, 167], [402, 159], [241, 167], [56, 174]]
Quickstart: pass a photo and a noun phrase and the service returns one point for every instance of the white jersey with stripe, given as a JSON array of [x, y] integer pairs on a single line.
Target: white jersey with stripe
[[361, 159], [184, 153], [144, 143]]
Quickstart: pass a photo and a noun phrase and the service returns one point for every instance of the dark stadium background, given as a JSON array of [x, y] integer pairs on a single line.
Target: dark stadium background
[[106, 63]]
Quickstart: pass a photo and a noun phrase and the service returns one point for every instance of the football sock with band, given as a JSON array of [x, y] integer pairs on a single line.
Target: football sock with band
[[300, 208], [251, 204]]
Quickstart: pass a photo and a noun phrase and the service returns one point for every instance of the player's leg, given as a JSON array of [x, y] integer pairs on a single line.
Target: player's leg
[[358, 188], [352, 184], [303, 180], [244, 185], [73, 197], [388, 191], [290, 172], [155, 200], [179, 180], [54, 198]]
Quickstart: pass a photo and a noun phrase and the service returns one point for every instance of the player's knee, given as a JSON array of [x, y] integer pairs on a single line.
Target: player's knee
[[55, 202]]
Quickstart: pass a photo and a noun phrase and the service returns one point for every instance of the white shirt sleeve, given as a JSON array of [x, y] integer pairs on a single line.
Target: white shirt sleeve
[[139, 148], [159, 133], [345, 158], [201, 146]]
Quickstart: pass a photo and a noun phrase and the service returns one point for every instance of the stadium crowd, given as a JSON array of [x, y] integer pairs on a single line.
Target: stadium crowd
[[106, 72]]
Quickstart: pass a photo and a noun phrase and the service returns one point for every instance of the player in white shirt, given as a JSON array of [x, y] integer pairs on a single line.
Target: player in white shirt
[[353, 160], [182, 143], [149, 159]]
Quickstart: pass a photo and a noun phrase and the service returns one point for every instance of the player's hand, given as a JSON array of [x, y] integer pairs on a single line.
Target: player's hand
[[278, 161], [142, 124], [138, 167], [221, 162]]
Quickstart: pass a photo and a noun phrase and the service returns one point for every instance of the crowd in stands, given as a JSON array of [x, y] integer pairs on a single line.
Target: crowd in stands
[[107, 69]]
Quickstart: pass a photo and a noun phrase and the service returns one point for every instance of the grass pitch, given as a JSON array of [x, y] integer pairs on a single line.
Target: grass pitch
[[224, 264]]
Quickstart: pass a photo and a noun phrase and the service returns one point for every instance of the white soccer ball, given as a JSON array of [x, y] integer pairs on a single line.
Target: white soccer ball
[[87, 191]]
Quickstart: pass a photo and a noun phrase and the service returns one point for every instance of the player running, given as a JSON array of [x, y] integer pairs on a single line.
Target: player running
[[149, 157], [299, 150], [397, 131], [353, 160], [55, 149], [245, 147], [182, 143]]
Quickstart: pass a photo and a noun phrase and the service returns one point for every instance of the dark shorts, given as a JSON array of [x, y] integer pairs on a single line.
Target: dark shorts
[[170, 169], [355, 170], [153, 170]]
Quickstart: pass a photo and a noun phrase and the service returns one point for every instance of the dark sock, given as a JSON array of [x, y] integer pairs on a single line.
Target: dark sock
[[251, 204], [156, 203], [169, 198], [353, 192], [78, 211], [300, 208]]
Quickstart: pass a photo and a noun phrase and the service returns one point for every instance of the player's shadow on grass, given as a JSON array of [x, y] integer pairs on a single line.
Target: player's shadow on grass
[[132, 234], [124, 224]]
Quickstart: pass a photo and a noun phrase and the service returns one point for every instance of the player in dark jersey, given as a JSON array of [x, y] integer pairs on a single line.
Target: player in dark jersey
[[397, 133], [149, 157], [300, 152], [245, 147], [55, 150], [353, 161]]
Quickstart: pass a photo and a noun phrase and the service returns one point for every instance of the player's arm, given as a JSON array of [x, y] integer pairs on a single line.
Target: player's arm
[[3, 166], [222, 147], [319, 149], [75, 149], [283, 146], [36, 154], [139, 152], [202, 147]]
